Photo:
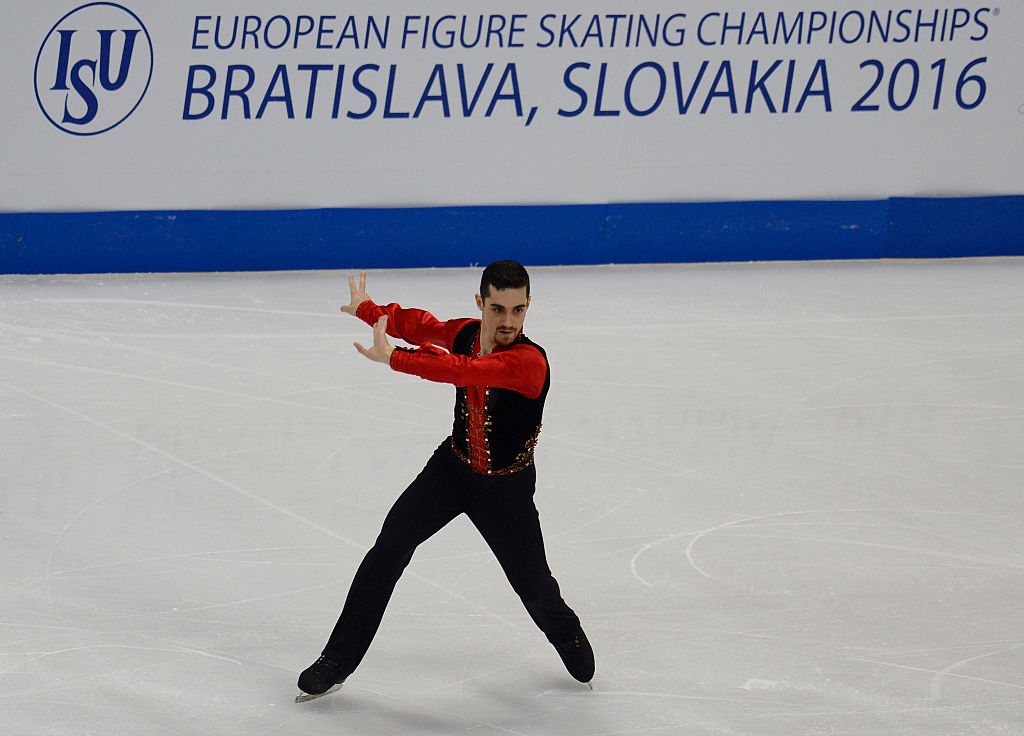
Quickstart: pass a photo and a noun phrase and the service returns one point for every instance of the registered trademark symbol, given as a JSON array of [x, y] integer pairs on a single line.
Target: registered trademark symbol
[[995, 11]]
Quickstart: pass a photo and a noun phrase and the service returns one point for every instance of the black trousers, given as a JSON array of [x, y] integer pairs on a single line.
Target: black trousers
[[501, 507]]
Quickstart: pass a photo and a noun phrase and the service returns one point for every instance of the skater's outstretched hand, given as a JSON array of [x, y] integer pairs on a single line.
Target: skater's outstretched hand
[[381, 349], [357, 295]]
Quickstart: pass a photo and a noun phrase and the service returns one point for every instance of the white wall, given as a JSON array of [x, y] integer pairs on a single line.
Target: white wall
[[541, 142]]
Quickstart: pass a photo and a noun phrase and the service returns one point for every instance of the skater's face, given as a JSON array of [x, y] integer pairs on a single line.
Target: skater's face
[[503, 313]]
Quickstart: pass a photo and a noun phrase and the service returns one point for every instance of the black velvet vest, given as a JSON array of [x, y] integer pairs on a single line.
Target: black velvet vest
[[513, 421]]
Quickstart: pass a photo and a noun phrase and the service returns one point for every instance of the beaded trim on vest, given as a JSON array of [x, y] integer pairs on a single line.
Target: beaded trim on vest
[[523, 460]]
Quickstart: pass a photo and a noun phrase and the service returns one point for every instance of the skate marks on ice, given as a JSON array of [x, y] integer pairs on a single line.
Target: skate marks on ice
[[854, 522]]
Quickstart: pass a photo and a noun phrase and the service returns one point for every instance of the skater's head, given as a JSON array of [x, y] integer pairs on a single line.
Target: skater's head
[[503, 300], [504, 275]]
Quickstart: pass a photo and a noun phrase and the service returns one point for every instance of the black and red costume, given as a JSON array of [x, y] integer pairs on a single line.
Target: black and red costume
[[485, 470]]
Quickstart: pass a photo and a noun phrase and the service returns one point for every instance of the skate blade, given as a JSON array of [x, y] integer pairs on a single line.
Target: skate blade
[[306, 697]]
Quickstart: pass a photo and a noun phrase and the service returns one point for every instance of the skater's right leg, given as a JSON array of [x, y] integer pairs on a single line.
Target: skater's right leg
[[427, 505]]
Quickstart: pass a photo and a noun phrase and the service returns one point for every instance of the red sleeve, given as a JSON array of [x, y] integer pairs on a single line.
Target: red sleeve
[[414, 326], [521, 368]]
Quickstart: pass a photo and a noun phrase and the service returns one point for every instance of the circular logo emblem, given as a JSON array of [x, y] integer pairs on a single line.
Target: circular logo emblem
[[93, 68]]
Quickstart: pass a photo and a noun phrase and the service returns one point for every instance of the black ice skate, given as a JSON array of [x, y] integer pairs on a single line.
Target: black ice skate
[[577, 656], [321, 678]]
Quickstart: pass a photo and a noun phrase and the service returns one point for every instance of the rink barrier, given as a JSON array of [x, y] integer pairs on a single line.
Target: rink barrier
[[420, 237]]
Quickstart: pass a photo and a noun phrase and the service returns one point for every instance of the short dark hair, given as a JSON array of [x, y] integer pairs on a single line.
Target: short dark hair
[[504, 275]]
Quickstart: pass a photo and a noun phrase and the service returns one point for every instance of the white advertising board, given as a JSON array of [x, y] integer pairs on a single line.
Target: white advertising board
[[148, 104]]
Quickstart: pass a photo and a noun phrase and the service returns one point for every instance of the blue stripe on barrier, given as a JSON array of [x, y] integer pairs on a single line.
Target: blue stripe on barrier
[[952, 228], [257, 240]]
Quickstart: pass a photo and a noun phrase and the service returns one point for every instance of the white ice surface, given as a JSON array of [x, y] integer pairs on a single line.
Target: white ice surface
[[785, 499]]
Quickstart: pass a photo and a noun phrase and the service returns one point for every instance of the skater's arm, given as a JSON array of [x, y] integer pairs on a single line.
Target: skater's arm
[[521, 368], [414, 326]]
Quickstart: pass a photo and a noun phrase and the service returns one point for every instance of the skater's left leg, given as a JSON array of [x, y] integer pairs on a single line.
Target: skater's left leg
[[503, 510]]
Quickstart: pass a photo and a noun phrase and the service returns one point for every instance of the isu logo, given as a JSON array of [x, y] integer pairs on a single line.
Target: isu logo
[[93, 68]]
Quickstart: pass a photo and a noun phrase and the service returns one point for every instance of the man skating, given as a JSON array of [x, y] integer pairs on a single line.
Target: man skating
[[485, 469]]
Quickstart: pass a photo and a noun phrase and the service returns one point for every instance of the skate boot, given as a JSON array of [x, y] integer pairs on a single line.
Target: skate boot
[[321, 676], [577, 656]]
